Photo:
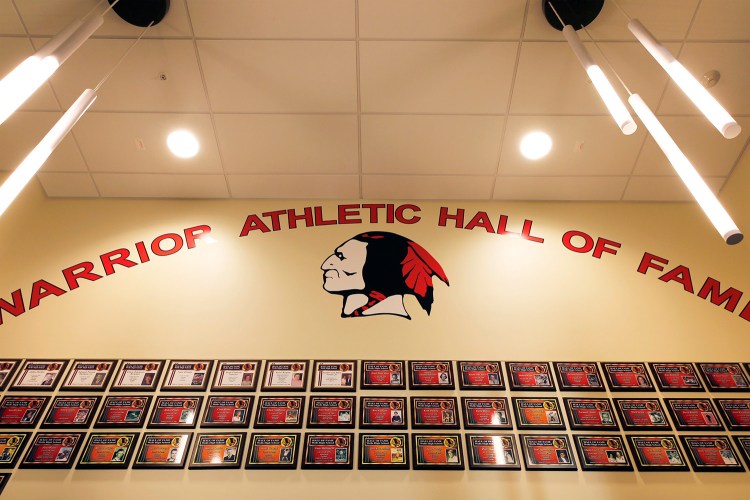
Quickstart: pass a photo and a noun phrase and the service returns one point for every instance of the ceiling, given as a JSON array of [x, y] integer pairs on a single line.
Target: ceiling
[[387, 99]]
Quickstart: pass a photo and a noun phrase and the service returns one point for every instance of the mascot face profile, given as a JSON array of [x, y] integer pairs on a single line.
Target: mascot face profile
[[374, 270]]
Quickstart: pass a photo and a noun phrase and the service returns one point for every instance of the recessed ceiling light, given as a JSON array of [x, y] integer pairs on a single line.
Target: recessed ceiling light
[[183, 144], [536, 145]]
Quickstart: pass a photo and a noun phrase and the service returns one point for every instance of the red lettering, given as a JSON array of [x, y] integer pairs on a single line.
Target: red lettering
[[588, 241], [389, 213], [72, 276], [156, 248], [194, 233], [121, 258], [400, 214], [713, 288], [526, 232], [16, 308], [275, 215], [603, 246], [293, 217], [481, 219], [680, 274], [253, 223], [142, 253], [647, 262], [444, 217], [346, 214], [41, 289], [745, 314], [319, 220], [373, 208]]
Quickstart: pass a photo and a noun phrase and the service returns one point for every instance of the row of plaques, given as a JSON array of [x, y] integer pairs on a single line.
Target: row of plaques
[[341, 375]]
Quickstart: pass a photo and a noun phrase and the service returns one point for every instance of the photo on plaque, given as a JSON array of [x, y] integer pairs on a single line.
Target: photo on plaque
[[383, 451], [8, 367], [138, 375], [334, 375], [627, 377], [218, 451], [743, 443], [89, 375], [641, 414], [4, 478], [71, 412], [538, 413], [123, 412], [39, 375], [582, 376], [657, 453], [602, 452], [328, 451], [547, 452], [492, 451], [724, 377], [236, 375], [689, 414], [175, 412], [735, 412], [11, 447], [482, 375], [104, 450], [382, 413], [227, 411], [711, 454], [273, 451], [383, 375], [187, 375], [331, 411], [529, 376], [676, 377], [21, 411], [486, 413], [163, 450], [52, 451], [437, 452], [431, 375], [590, 414], [280, 412], [285, 376], [434, 413]]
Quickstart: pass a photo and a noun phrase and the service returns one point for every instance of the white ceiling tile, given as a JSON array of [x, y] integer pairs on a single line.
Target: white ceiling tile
[[581, 145], [721, 20], [430, 144], [161, 186], [441, 19], [288, 144], [664, 188], [13, 51], [426, 187], [109, 142], [294, 186], [290, 19], [68, 185], [560, 188], [280, 76], [9, 22]]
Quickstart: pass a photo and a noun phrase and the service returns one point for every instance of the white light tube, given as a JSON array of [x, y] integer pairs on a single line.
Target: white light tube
[[615, 106], [692, 179], [704, 101]]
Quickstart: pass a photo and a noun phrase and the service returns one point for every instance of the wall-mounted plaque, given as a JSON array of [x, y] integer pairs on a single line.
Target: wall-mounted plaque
[[437, 451], [7, 368], [383, 375], [273, 451], [657, 453], [163, 450], [21, 411], [483, 375], [331, 411], [676, 377], [11, 447], [52, 451], [334, 375], [735, 412], [711, 454], [285, 376], [382, 413], [218, 451], [72, 412], [123, 412], [641, 414], [547, 452], [236, 375], [383, 451], [602, 452], [89, 375], [108, 450], [627, 377], [538, 413], [486, 413], [492, 451], [529, 376], [175, 412], [138, 375], [39, 375], [590, 414], [743, 443], [434, 413], [431, 375], [724, 377], [187, 375], [328, 451], [579, 376], [227, 411], [689, 414], [280, 412]]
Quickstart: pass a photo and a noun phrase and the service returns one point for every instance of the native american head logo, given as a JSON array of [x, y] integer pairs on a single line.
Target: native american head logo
[[373, 271]]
